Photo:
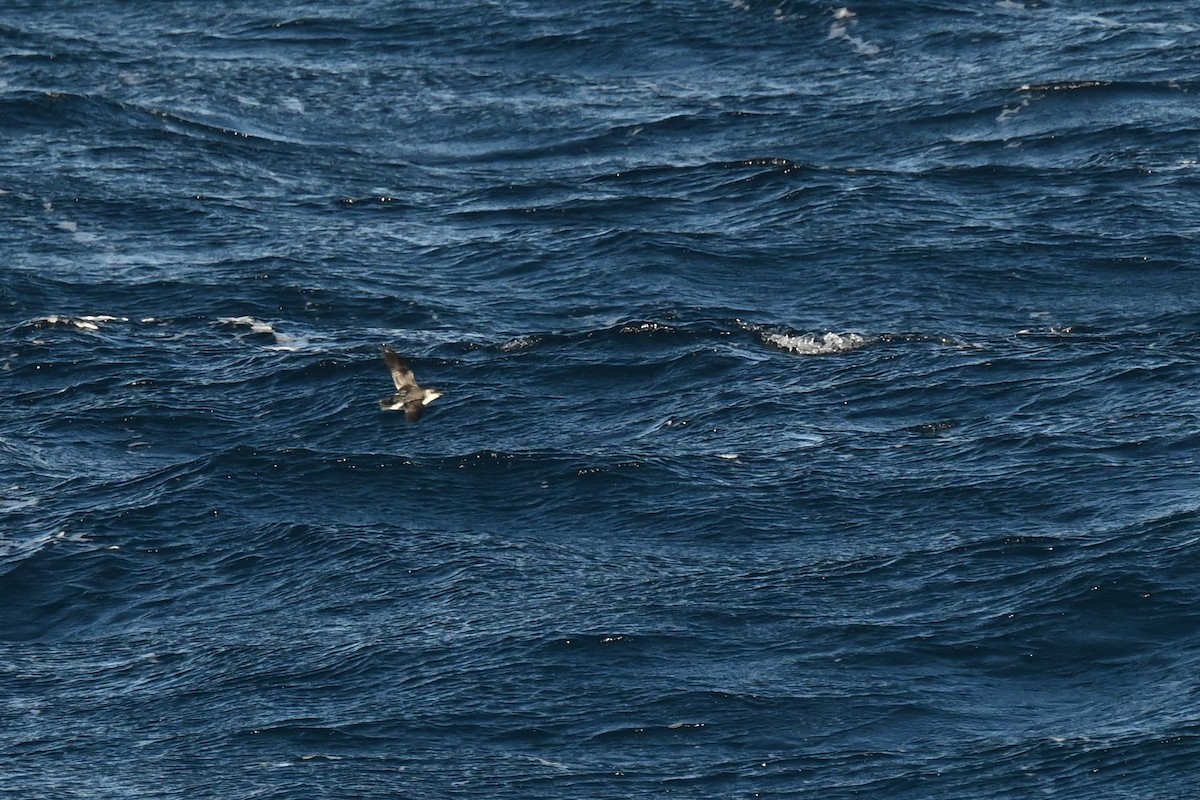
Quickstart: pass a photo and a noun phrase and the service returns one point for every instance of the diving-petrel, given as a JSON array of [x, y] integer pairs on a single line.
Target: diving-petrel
[[409, 396]]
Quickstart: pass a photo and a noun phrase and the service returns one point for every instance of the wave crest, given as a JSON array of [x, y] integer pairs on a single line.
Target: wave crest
[[811, 344]]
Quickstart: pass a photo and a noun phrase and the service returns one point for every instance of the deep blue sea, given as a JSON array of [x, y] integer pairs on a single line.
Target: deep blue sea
[[821, 400]]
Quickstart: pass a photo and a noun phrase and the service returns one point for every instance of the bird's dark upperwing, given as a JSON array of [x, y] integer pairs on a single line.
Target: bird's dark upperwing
[[402, 374], [414, 410]]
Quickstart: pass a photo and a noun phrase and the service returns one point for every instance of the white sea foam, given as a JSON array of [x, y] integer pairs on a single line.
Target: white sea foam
[[8, 505], [520, 343], [843, 19], [22, 547], [1009, 112], [87, 322], [647, 327], [282, 340], [811, 344]]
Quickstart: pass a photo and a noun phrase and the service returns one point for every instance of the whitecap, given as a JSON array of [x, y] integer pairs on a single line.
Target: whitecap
[[519, 343], [87, 322], [647, 327], [1008, 112], [809, 344], [282, 340], [840, 29]]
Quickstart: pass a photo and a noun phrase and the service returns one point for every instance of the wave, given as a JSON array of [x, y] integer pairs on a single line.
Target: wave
[[675, 332], [86, 322], [279, 341], [809, 344], [1169, 87], [26, 112]]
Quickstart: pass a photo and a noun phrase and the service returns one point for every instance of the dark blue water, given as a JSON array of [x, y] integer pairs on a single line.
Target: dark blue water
[[820, 418]]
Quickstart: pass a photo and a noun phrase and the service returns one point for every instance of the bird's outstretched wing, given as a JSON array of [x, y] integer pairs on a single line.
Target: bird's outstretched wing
[[414, 410], [402, 374]]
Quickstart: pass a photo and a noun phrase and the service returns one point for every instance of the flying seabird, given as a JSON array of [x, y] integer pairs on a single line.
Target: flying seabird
[[409, 396]]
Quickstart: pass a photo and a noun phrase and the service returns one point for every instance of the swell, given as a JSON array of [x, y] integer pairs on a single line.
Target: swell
[[254, 370], [1060, 126], [614, 140], [26, 112]]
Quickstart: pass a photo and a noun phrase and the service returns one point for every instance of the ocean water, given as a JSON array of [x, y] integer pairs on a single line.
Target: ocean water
[[820, 415]]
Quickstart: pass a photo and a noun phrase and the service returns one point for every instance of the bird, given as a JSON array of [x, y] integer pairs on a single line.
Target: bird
[[409, 397]]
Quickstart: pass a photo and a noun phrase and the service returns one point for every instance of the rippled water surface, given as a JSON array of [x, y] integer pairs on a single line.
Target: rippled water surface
[[819, 417]]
